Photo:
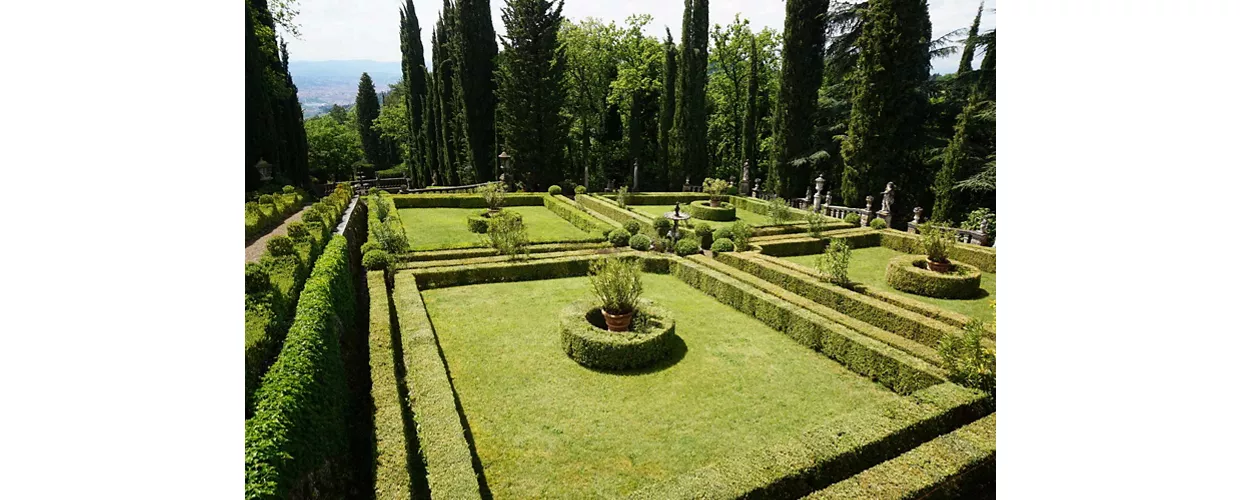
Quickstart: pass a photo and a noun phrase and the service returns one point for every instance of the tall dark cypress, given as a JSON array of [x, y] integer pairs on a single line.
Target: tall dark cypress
[[367, 106], [953, 159], [889, 104], [667, 113], [430, 132], [532, 91], [749, 144], [445, 86], [474, 50], [413, 69], [274, 124], [804, 43], [986, 81], [970, 43], [692, 98], [298, 165]]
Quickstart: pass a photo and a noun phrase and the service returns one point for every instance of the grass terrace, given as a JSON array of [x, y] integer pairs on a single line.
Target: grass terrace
[[869, 267], [445, 228], [754, 219], [546, 427]]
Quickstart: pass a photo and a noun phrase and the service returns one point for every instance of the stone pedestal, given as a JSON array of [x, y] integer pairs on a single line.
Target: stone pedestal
[[869, 211], [886, 217]]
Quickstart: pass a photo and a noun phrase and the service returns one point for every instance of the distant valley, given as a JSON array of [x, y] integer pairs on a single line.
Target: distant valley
[[320, 84]]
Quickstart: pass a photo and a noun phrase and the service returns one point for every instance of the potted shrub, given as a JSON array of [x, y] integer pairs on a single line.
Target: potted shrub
[[618, 285], [493, 195], [938, 242], [715, 188]]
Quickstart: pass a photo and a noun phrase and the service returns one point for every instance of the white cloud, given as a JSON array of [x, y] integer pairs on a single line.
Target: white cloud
[[368, 29]]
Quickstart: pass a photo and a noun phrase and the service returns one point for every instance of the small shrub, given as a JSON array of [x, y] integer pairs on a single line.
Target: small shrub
[[507, 234], [969, 363], [477, 224], [974, 222], [704, 233], [723, 233], [832, 265], [617, 283], [256, 279], [622, 197], [554, 190], [266, 200], [659, 244], [853, 219], [375, 260], [251, 208], [391, 237], [662, 226], [619, 237], [780, 211], [297, 231], [937, 242], [741, 232], [311, 215], [633, 227], [687, 246], [381, 207], [280, 245], [878, 224], [372, 191], [639, 242], [493, 195], [580, 190], [370, 245], [289, 190], [722, 245], [715, 188], [816, 222]]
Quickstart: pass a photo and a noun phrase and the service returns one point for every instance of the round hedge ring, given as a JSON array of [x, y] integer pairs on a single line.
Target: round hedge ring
[[479, 223], [909, 273], [584, 337], [701, 209]]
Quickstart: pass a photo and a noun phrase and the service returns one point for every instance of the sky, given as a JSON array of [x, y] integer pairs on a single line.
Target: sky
[[369, 29]]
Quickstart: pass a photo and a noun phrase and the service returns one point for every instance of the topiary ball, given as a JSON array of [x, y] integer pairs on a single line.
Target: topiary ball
[[687, 246], [375, 260], [705, 233], [372, 191], [280, 245], [619, 237], [723, 233], [256, 280], [297, 231], [722, 245], [266, 200], [633, 227], [289, 189], [639, 242], [878, 224], [370, 245], [554, 190], [580, 190], [311, 215], [662, 226], [853, 219]]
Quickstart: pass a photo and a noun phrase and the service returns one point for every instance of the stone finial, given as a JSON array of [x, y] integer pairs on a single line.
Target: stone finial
[[917, 215], [869, 203], [827, 200]]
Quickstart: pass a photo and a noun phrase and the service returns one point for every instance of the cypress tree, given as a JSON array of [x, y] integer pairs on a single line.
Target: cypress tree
[[474, 51], [889, 104], [749, 148], [413, 69], [966, 53], [367, 106], [804, 43], [430, 132], [298, 165], [953, 157], [449, 143], [532, 91], [986, 82], [275, 131], [667, 113], [689, 147]]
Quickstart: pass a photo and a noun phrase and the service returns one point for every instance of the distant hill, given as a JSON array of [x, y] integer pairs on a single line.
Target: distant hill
[[323, 83]]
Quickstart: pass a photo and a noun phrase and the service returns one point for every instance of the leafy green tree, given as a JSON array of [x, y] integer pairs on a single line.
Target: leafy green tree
[[635, 91], [334, 147], [393, 121], [367, 107], [690, 147], [802, 69], [749, 145], [532, 91], [727, 94], [474, 52], [667, 112], [590, 51], [413, 70], [889, 105]]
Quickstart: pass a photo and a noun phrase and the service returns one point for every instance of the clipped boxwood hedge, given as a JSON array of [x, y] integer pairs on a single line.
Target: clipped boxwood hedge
[[981, 257], [669, 198], [298, 428], [263, 217], [597, 348], [464, 200], [560, 206], [470, 253], [389, 392], [441, 437], [725, 212], [613, 211], [908, 273]]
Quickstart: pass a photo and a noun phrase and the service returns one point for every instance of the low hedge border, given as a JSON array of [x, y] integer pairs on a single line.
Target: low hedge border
[[298, 430], [393, 429], [886, 316], [936, 469], [473, 253], [525, 270], [441, 436], [506, 259], [843, 446], [613, 211], [597, 348], [463, 200], [591, 212], [660, 198], [800, 228], [908, 273], [575, 216], [758, 206], [725, 212], [479, 223], [926, 353], [863, 355], [806, 245], [261, 218], [978, 256]]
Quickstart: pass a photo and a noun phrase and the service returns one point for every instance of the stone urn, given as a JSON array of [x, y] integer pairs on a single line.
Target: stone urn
[[618, 322]]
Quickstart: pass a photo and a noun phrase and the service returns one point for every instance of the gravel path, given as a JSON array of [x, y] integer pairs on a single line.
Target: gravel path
[[256, 249]]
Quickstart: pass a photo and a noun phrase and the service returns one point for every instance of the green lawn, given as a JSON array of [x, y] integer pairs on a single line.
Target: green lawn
[[545, 427], [754, 219], [441, 228], [869, 266]]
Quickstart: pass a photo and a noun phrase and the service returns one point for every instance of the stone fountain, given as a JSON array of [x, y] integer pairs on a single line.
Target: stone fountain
[[675, 216]]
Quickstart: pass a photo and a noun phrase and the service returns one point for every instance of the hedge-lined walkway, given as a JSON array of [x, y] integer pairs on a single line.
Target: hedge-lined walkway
[[254, 250]]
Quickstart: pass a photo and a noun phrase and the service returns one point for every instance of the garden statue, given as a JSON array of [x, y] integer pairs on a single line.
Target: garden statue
[[889, 197], [678, 209], [756, 187], [744, 187], [634, 175]]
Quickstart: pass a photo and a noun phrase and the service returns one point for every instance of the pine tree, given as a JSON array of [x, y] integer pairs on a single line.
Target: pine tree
[[689, 148], [532, 91], [474, 51], [804, 43], [367, 106], [889, 104], [667, 113], [413, 69], [966, 53], [749, 148]]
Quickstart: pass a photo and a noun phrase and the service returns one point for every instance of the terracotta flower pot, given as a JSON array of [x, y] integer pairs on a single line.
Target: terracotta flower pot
[[618, 322], [939, 267], [714, 203]]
